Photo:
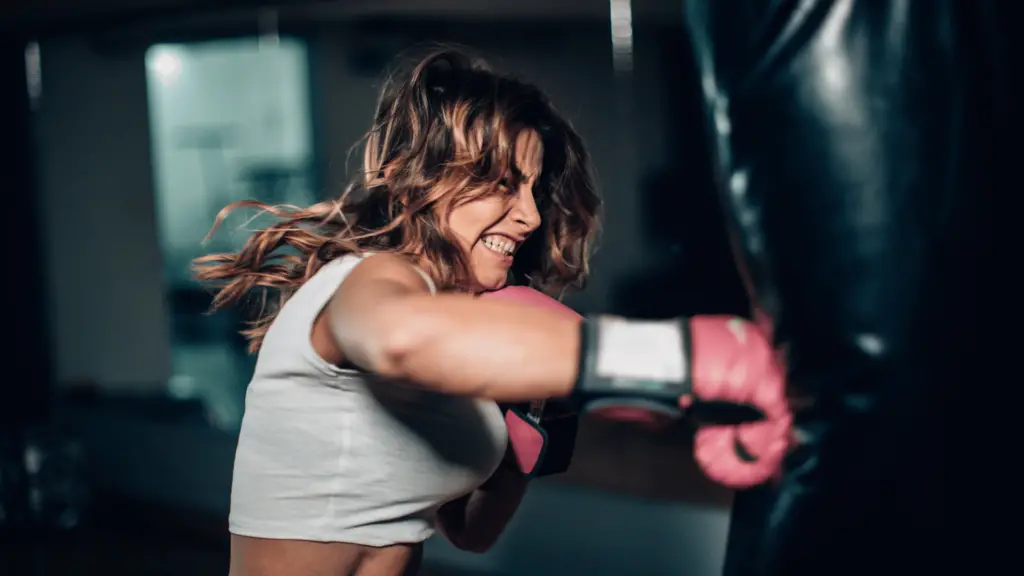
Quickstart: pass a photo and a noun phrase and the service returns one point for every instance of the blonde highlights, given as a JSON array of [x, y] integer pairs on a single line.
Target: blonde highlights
[[444, 132]]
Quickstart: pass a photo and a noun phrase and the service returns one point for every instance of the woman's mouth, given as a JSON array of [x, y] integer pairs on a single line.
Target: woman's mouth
[[500, 245]]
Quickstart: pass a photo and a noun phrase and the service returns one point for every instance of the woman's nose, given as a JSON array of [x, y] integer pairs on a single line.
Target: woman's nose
[[525, 210]]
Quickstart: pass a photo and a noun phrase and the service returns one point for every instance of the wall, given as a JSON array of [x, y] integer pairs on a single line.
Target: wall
[[218, 112], [107, 281], [96, 173], [108, 317]]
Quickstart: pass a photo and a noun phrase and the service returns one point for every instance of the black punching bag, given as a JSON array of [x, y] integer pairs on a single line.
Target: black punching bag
[[849, 138]]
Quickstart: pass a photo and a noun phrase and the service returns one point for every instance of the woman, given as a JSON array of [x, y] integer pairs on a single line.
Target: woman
[[342, 466]]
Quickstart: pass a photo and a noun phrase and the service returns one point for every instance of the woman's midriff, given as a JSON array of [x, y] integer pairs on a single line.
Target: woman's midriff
[[265, 557]]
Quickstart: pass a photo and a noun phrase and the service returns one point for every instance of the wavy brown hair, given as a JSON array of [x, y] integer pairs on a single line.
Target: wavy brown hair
[[444, 133]]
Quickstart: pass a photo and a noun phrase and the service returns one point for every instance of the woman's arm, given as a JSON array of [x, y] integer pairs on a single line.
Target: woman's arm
[[475, 521], [384, 320]]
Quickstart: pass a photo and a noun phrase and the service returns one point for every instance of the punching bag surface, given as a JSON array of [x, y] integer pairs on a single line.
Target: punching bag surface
[[847, 139]]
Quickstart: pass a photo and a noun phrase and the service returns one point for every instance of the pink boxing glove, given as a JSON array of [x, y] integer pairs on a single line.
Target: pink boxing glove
[[693, 367], [542, 434], [532, 297], [734, 362]]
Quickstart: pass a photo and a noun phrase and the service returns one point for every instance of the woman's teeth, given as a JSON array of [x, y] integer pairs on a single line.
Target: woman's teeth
[[500, 245]]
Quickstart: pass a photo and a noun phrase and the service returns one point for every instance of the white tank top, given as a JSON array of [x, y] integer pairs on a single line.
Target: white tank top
[[334, 455]]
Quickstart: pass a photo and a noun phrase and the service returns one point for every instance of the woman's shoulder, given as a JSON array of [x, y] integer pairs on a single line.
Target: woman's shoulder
[[389, 266], [345, 264]]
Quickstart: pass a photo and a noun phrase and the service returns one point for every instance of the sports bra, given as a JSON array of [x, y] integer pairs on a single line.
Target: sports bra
[[329, 454]]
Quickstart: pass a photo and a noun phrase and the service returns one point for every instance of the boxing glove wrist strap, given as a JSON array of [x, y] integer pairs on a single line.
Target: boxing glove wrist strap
[[636, 362]]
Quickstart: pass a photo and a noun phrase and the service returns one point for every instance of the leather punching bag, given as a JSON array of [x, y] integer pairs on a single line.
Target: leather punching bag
[[848, 138]]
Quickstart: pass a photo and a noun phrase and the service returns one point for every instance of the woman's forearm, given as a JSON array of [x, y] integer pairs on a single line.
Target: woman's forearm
[[505, 351], [475, 522]]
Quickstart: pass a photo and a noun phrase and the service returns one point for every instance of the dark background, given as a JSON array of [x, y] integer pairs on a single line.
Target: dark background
[[129, 123]]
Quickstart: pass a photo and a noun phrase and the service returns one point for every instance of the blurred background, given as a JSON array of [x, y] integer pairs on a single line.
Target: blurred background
[[132, 123]]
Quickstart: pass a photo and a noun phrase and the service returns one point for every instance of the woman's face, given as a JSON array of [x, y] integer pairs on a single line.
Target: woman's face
[[491, 229]]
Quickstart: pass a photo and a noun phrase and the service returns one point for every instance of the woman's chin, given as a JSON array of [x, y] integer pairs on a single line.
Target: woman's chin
[[491, 284]]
